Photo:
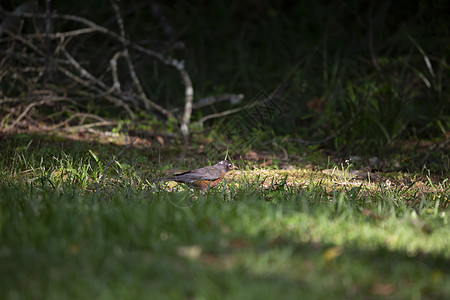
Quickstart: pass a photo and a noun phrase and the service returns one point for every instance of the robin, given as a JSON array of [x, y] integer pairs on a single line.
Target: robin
[[203, 178]]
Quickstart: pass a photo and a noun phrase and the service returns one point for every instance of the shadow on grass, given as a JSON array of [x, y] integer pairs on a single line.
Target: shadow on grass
[[78, 245]]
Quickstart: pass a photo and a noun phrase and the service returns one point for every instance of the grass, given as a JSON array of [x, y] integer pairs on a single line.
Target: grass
[[77, 222]]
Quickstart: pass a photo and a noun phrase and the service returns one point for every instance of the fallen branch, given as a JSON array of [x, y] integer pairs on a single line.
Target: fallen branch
[[78, 115], [229, 112], [92, 27], [113, 64], [233, 98], [33, 104], [147, 102], [90, 125]]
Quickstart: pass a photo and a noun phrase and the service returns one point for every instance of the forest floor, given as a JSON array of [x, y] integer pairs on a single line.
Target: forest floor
[[80, 219]]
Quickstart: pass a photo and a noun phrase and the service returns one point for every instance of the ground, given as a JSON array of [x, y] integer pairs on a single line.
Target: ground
[[79, 219]]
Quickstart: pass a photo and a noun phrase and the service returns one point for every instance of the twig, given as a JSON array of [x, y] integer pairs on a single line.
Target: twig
[[10, 50], [221, 114], [179, 65], [59, 35], [117, 101], [113, 64], [147, 102], [23, 40], [229, 112], [83, 71], [77, 115], [90, 125], [10, 100], [48, 20], [98, 28], [189, 98], [33, 104], [210, 100], [189, 90], [285, 153]]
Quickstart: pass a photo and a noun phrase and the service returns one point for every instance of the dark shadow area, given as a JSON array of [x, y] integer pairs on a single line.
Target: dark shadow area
[[351, 77]]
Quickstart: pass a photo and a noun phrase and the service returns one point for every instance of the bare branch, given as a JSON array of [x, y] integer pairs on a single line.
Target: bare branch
[[189, 98], [59, 35], [78, 115], [85, 73], [210, 100], [221, 114], [90, 125], [229, 112], [23, 40], [87, 84], [33, 104], [147, 102], [86, 79], [113, 64]]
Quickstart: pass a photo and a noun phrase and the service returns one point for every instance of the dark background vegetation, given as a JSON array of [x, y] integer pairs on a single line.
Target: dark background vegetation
[[351, 76]]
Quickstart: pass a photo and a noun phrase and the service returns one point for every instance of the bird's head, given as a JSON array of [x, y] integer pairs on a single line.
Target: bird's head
[[227, 165]]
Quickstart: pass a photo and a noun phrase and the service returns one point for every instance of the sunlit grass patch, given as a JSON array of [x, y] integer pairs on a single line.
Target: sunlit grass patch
[[82, 222]]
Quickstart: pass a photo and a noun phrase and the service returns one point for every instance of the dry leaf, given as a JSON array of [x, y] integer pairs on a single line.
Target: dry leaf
[[317, 104], [192, 252], [383, 289], [160, 140], [332, 253]]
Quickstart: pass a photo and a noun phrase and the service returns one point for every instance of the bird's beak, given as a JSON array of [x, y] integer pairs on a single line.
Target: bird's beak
[[234, 168]]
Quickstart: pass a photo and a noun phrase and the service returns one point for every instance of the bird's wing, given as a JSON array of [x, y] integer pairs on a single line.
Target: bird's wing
[[206, 173]]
